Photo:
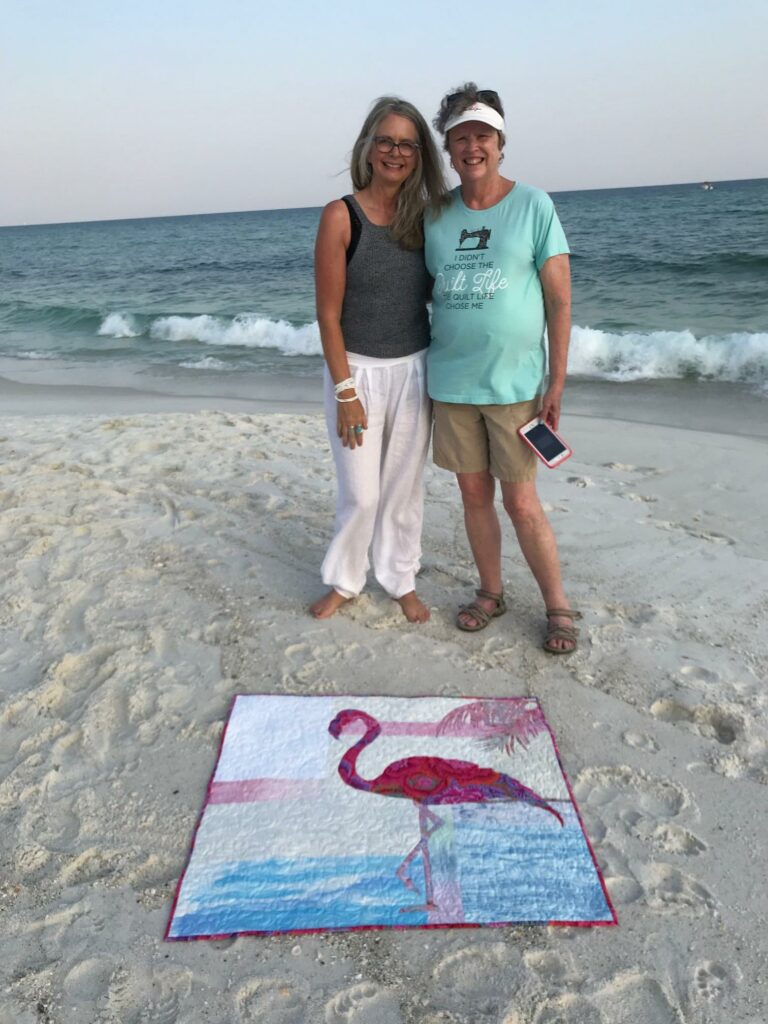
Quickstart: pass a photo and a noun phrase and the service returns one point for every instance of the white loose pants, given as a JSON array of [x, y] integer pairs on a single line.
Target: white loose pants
[[380, 496]]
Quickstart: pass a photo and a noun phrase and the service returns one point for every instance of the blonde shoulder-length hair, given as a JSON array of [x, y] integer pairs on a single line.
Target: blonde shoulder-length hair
[[424, 188]]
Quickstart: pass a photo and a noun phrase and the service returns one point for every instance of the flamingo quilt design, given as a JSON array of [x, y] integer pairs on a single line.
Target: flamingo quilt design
[[372, 812]]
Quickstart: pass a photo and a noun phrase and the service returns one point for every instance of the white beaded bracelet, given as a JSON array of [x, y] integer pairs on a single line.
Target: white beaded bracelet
[[352, 399], [343, 385]]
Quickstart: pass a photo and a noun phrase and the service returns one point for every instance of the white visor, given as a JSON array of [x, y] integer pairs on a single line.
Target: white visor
[[478, 112]]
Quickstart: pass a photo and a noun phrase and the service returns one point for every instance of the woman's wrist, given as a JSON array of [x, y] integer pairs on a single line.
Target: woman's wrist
[[348, 395], [348, 384]]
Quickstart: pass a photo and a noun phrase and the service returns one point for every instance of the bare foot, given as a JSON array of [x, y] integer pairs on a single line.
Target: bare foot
[[328, 605], [414, 609]]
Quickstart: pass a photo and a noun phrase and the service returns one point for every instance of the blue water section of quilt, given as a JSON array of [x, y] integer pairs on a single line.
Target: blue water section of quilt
[[538, 873]]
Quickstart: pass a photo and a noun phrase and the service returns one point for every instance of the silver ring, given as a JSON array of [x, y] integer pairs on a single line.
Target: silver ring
[[358, 429]]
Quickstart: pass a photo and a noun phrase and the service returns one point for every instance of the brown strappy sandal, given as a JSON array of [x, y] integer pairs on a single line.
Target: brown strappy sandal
[[570, 633], [479, 614]]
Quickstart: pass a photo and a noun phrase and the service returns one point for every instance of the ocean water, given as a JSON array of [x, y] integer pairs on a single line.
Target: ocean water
[[670, 283]]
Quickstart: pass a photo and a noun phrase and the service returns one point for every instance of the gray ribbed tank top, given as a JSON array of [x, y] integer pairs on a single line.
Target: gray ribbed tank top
[[385, 302]]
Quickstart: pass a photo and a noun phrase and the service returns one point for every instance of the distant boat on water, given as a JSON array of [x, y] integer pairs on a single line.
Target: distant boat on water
[[707, 186]]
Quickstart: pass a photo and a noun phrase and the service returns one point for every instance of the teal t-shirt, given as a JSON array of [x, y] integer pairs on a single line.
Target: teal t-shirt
[[487, 304]]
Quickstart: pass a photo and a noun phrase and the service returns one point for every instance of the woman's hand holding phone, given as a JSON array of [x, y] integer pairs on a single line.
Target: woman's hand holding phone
[[548, 446], [550, 407]]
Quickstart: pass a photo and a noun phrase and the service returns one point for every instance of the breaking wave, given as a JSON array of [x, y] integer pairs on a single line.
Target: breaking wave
[[603, 355], [660, 355], [119, 325], [244, 331]]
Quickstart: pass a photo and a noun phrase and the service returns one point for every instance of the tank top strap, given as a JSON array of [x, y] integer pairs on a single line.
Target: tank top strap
[[355, 224]]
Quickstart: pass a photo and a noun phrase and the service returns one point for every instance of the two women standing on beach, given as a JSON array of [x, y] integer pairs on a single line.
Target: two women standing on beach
[[372, 292], [499, 261]]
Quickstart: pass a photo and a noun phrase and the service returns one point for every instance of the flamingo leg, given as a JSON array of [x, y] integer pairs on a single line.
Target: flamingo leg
[[429, 823]]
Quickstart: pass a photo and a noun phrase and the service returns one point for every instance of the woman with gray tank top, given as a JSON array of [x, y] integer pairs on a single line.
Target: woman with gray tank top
[[372, 293]]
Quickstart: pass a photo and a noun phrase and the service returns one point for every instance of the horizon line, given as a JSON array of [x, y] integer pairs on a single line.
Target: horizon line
[[279, 209]]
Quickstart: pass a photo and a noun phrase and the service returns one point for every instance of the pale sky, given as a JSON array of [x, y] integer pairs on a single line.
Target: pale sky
[[131, 108]]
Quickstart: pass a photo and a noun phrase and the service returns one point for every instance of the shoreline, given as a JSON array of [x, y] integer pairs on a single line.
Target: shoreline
[[732, 409]]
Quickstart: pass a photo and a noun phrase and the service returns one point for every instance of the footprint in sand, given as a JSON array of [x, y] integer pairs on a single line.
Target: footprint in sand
[[551, 969], [276, 1000], [128, 994], [366, 1003], [642, 807], [68, 619], [646, 499], [637, 615], [169, 989], [713, 981], [621, 882], [708, 535], [31, 860], [700, 674], [156, 994], [667, 836], [723, 723], [153, 872], [58, 825], [88, 980], [170, 510], [669, 890], [621, 788], [477, 980], [737, 728], [626, 467], [89, 866], [641, 741], [568, 1009], [633, 998]]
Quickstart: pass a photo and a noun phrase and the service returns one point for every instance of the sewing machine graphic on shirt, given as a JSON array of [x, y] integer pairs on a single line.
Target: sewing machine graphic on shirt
[[482, 236]]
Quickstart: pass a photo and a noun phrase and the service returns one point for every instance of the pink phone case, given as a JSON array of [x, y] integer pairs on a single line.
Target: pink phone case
[[568, 449]]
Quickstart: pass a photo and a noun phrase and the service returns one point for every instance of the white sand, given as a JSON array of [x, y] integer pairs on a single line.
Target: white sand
[[154, 565]]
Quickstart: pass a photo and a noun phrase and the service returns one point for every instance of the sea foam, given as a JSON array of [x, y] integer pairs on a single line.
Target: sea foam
[[602, 355], [244, 331], [118, 325], [733, 358], [207, 363]]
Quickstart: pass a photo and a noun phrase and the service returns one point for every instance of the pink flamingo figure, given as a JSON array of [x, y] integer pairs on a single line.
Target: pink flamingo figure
[[428, 781]]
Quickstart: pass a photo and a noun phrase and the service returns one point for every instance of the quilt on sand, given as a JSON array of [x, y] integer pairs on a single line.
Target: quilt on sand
[[370, 812]]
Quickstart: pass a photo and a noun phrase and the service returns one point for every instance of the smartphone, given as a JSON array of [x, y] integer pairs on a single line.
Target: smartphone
[[549, 446]]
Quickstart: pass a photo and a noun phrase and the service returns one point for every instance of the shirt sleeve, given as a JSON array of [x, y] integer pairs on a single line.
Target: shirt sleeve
[[549, 237]]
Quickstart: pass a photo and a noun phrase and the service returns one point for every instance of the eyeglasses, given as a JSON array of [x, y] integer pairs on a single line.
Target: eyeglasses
[[384, 144], [489, 96]]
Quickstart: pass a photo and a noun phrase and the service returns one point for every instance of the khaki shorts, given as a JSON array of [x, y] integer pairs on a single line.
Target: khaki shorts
[[473, 438]]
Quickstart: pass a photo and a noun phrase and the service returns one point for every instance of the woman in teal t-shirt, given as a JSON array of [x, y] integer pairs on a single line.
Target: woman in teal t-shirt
[[499, 259]]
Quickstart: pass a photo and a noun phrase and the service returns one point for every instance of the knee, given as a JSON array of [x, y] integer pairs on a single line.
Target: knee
[[358, 504], [365, 505], [523, 509], [477, 494]]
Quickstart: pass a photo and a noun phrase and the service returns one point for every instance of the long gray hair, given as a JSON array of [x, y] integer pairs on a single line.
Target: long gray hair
[[424, 187]]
